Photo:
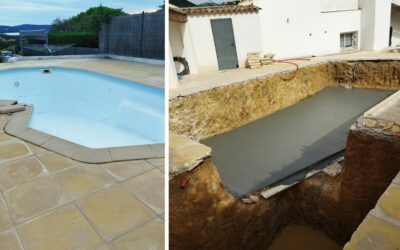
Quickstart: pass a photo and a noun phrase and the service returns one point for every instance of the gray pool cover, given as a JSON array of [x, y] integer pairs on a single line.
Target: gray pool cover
[[274, 147]]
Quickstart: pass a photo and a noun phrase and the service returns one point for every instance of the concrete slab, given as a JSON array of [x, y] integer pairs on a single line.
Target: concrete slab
[[272, 148]]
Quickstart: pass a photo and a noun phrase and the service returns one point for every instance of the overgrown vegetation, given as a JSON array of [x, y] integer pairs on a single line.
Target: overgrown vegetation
[[9, 43], [82, 29], [79, 39]]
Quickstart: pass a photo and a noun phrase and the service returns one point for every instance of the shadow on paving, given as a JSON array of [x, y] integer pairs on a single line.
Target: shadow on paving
[[272, 148]]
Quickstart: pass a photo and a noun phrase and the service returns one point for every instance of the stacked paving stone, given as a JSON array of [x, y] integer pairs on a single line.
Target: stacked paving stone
[[253, 60], [267, 59]]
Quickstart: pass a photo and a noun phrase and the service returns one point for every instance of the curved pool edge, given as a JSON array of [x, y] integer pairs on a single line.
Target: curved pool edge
[[18, 126]]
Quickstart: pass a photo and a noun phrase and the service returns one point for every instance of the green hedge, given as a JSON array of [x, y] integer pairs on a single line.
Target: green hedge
[[80, 39]]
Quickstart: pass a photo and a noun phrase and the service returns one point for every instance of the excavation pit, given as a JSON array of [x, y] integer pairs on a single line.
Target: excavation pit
[[335, 201], [272, 148]]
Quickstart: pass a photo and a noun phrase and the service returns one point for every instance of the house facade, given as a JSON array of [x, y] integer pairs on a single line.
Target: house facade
[[218, 38]]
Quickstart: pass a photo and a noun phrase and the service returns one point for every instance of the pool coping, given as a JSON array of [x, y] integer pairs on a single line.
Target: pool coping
[[18, 126], [73, 67]]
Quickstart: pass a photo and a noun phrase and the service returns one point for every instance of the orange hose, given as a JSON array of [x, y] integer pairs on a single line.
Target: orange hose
[[288, 61]]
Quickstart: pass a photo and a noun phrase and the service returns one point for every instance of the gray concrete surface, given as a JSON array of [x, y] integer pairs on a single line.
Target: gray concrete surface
[[267, 150]]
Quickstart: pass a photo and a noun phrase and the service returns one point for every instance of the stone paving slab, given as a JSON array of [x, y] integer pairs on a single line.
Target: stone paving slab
[[143, 187], [185, 154], [54, 162], [20, 171], [9, 240], [82, 180], [5, 217], [149, 236], [63, 228], [13, 150], [114, 211], [35, 198], [125, 170]]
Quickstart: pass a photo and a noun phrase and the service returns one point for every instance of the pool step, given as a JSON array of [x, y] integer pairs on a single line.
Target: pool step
[[7, 109]]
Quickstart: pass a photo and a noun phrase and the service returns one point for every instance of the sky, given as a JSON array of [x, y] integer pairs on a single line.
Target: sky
[[15, 12]]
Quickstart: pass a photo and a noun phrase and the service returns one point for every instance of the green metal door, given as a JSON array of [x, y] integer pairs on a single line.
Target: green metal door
[[225, 46]]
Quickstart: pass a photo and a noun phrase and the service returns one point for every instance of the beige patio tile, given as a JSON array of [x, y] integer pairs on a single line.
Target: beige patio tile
[[105, 247], [4, 137], [14, 150], [63, 228], [36, 149], [54, 162], [20, 171], [9, 240], [159, 163], [149, 236], [125, 170], [82, 180], [114, 211], [34, 198], [149, 187], [5, 218]]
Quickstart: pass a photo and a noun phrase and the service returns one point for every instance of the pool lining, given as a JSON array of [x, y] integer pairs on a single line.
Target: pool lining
[[18, 126]]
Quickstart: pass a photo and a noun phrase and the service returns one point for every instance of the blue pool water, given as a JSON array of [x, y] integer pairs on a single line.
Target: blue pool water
[[89, 109]]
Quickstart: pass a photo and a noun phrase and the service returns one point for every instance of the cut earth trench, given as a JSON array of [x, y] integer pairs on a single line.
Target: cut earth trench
[[336, 205]]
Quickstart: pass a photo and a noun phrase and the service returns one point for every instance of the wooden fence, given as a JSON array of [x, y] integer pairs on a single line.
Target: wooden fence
[[140, 35], [66, 51]]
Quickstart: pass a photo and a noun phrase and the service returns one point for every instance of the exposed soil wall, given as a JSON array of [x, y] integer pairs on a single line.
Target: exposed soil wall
[[205, 216], [219, 110], [385, 75]]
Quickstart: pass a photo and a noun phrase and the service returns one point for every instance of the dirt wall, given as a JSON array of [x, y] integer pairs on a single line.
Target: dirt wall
[[202, 115], [206, 216], [219, 110]]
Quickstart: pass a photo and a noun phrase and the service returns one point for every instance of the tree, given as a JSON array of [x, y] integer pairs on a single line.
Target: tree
[[88, 21]]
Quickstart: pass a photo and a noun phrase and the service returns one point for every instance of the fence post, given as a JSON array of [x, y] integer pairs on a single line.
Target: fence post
[[141, 35]]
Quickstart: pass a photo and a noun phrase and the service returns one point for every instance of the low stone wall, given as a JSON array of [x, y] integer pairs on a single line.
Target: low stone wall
[[220, 110]]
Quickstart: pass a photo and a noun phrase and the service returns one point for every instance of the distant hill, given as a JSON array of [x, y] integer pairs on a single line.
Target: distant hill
[[12, 29], [182, 3]]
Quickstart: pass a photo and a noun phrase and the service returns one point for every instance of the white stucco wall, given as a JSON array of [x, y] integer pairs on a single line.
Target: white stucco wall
[[338, 5], [289, 32], [246, 28], [395, 23], [375, 22]]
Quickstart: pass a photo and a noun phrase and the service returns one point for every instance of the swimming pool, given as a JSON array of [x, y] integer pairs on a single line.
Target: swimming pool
[[87, 108]]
